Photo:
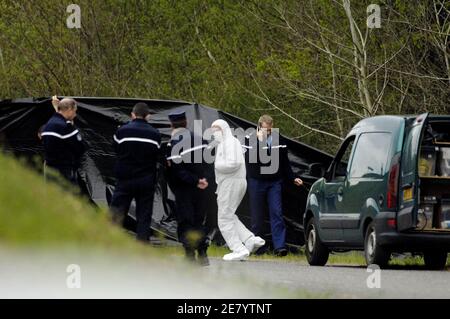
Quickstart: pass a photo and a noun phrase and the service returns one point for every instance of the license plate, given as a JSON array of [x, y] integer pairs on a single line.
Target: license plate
[[408, 194]]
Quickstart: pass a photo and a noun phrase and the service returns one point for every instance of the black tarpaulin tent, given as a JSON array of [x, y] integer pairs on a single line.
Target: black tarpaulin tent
[[98, 119]]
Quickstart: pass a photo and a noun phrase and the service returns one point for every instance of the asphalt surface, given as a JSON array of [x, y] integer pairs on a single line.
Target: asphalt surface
[[339, 281], [103, 274]]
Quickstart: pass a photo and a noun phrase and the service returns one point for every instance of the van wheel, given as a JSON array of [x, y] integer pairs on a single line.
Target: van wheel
[[435, 260], [374, 253], [316, 252]]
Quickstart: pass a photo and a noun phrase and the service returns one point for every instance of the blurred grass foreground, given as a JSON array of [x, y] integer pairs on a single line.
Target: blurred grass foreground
[[36, 213]]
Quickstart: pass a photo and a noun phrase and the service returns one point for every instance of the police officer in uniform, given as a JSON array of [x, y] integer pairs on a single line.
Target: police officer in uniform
[[188, 178], [62, 141], [137, 145]]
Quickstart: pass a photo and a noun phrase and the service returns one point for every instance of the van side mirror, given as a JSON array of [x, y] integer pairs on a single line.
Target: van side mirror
[[316, 170]]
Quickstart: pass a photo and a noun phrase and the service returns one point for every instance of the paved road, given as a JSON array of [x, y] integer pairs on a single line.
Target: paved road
[[339, 281], [105, 274]]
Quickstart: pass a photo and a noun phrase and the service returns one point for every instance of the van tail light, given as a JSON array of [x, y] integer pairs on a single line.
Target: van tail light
[[392, 191], [392, 222]]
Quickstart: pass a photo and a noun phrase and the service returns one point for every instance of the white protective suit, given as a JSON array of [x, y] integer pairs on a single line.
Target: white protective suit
[[231, 181]]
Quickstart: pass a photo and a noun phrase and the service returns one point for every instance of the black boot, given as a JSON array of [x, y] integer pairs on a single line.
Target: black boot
[[202, 258], [190, 254]]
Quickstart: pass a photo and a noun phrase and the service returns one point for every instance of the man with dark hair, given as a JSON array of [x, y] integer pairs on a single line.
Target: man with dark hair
[[137, 145], [188, 179], [62, 141], [141, 110]]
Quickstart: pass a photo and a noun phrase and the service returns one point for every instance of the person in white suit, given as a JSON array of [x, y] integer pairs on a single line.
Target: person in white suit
[[229, 165]]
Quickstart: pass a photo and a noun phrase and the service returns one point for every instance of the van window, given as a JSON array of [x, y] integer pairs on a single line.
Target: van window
[[341, 168], [371, 154], [342, 159]]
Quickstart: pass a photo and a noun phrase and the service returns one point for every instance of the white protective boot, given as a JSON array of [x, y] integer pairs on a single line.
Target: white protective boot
[[240, 255], [254, 243]]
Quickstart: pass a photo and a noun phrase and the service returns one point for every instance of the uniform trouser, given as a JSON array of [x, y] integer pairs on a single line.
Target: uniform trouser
[[262, 192], [141, 189], [69, 173], [229, 195], [190, 212]]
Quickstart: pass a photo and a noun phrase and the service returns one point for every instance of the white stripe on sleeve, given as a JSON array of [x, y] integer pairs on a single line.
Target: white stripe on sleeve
[[59, 135], [136, 139]]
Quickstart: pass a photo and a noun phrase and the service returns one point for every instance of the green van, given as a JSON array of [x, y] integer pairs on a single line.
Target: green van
[[387, 190]]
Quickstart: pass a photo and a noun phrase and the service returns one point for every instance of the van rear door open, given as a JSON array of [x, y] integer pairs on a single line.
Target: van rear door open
[[409, 178]]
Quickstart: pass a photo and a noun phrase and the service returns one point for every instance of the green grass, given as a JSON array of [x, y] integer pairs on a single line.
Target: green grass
[[34, 213]]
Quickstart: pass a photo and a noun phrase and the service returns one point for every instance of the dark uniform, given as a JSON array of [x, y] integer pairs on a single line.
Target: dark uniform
[[267, 187], [137, 145], [63, 147], [190, 201]]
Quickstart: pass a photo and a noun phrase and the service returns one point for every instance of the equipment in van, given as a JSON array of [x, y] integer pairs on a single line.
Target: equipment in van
[[425, 217], [445, 214], [425, 212], [444, 161], [427, 160]]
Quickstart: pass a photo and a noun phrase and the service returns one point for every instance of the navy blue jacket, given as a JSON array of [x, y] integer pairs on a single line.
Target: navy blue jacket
[[284, 170], [137, 144], [63, 143]]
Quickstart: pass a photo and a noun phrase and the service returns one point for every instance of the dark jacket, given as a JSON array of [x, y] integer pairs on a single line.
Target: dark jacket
[[137, 144], [254, 164], [63, 143], [183, 168]]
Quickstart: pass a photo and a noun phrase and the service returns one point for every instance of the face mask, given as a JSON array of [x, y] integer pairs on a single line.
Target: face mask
[[218, 136]]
